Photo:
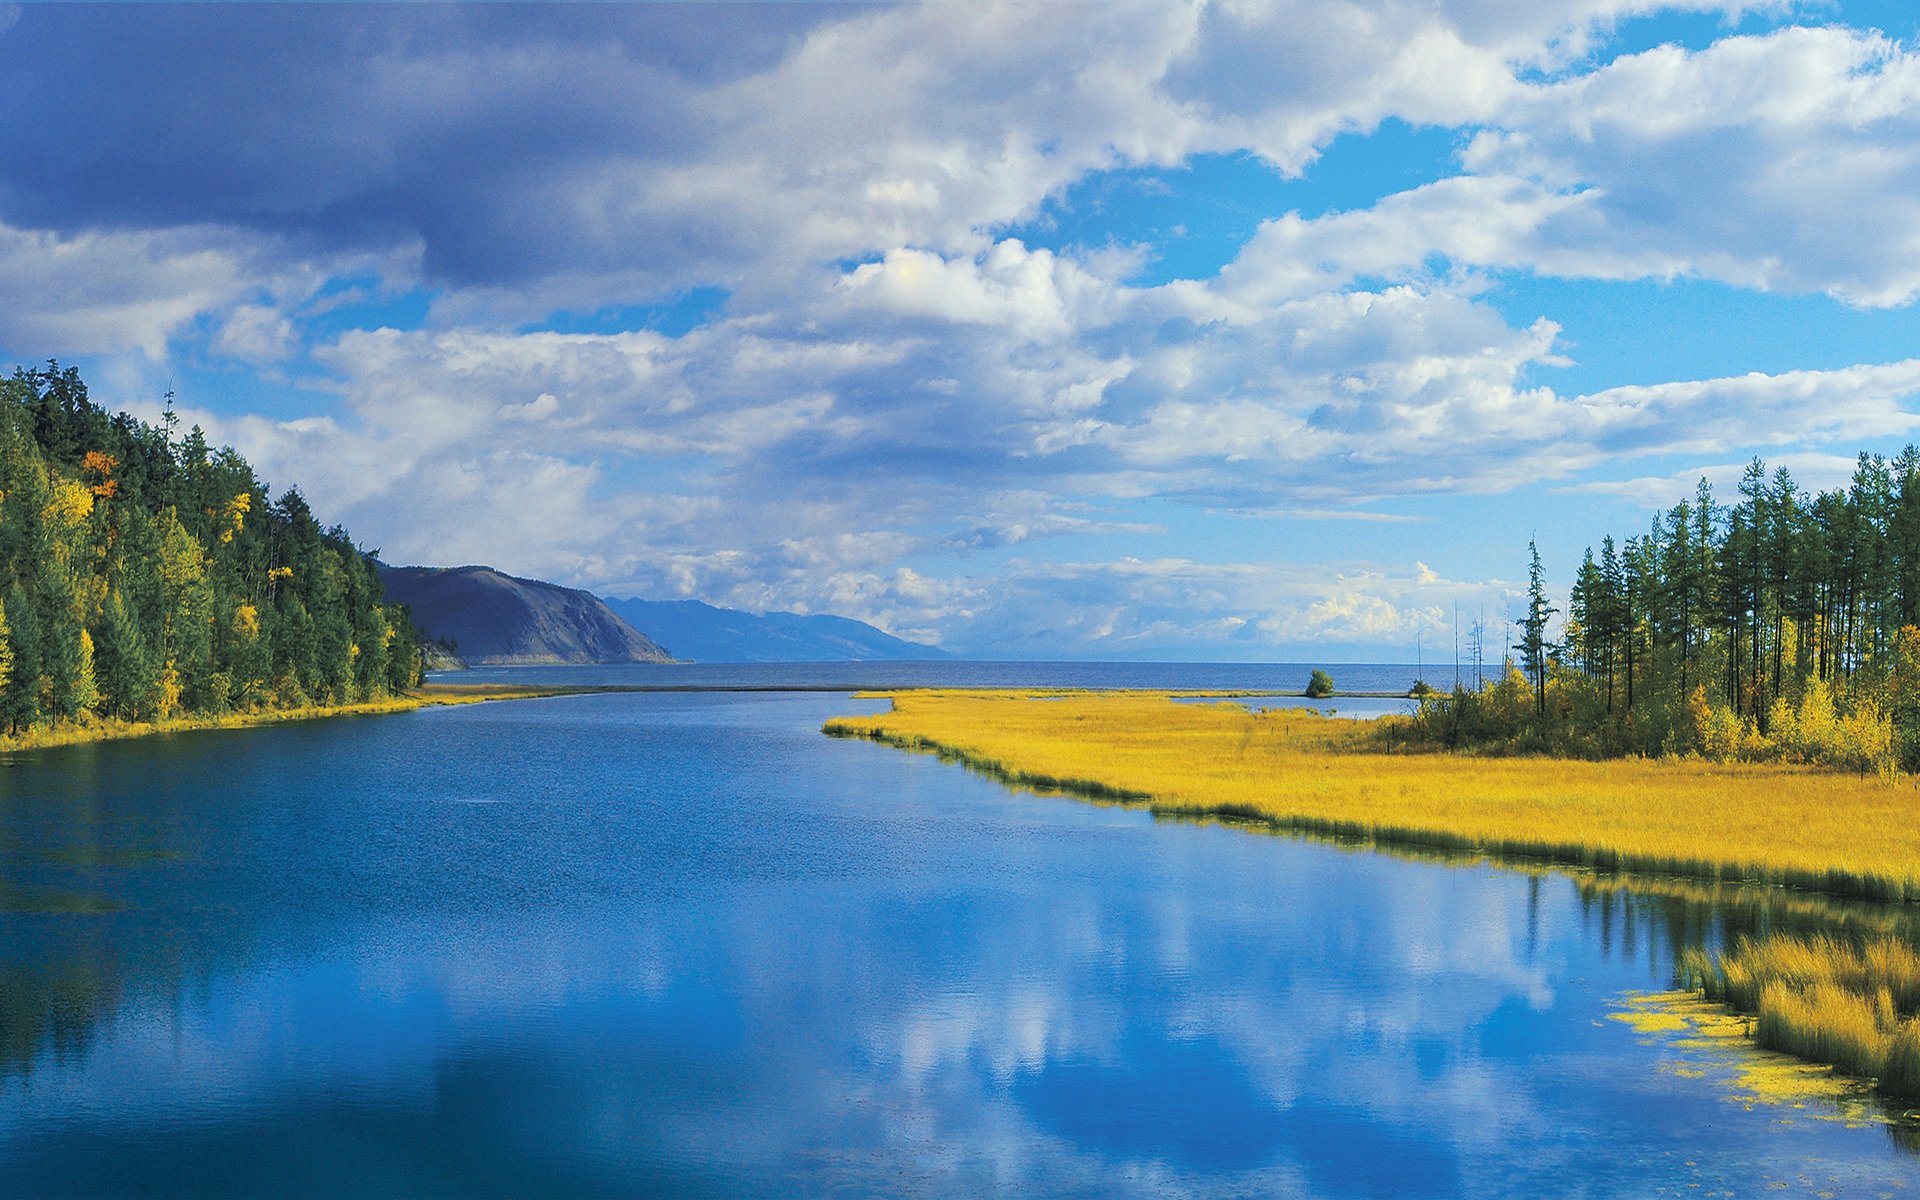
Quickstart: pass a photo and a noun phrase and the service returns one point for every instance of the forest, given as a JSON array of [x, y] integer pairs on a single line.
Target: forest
[[146, 576], [1782, 626]]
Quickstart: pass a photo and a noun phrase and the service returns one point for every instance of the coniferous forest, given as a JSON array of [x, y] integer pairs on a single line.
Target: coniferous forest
[[1783, 626], [145, 575]]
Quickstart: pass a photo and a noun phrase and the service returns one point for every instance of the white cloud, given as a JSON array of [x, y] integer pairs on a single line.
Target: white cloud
[[1023, 295], [108, 292], [256, 333], [1785, 162], [540, 408], [898, 390]]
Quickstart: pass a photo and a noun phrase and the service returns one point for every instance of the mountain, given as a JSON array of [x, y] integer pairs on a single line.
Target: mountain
[[493, 619], [702, 633]]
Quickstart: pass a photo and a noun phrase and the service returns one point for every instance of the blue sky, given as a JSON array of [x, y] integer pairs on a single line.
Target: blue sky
[[1181, 330]]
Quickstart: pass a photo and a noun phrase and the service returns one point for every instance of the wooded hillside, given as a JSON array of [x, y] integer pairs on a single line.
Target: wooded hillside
[[145, 574]]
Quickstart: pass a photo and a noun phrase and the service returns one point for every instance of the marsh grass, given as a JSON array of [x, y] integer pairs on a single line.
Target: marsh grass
[[1854, 1004], [1807, 828]]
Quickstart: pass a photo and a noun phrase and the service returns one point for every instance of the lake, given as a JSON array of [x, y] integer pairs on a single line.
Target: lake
[[682, 944]]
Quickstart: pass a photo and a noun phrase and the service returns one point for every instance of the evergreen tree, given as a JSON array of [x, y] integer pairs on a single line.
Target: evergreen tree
[[1533, 630], [1782, 626], [20, 699], [146, 574], [128, 675]]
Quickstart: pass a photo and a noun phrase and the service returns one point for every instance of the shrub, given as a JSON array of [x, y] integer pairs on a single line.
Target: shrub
[[1319, 686]]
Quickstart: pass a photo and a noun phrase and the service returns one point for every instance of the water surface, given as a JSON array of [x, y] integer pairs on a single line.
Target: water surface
[[1397, 678], [681, 944]]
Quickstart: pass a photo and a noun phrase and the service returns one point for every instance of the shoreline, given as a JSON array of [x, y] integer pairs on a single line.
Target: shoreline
[[1291, 773], [1303, 776], [441, 693], [432, 695]]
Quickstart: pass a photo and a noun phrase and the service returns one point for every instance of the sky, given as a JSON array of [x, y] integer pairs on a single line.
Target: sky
[[1210, 330]]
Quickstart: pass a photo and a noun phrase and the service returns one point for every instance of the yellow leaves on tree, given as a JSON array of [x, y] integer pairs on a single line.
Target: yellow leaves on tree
[[246, 621], [169, 691], [71, 505], [86, 688], [234, 515], [187, 599], [98, 469], [1815, 730], [182, 561], [6, 648]]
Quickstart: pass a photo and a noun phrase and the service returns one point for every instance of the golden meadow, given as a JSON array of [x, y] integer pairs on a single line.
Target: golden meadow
[[1849, 999], [1847, 834]]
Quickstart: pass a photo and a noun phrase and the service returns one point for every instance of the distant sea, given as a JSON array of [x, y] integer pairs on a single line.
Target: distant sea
[[1255, 678]]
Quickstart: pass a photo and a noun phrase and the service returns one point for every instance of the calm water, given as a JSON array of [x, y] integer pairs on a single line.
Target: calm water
[[1252, 677], [1397, 678], [681, 944]]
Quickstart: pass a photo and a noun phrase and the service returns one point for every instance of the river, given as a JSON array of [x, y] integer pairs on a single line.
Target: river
[[682, 944]]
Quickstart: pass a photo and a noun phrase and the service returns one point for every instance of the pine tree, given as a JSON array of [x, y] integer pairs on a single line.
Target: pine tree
[[128, 674], [20, 699], [1533, 629]]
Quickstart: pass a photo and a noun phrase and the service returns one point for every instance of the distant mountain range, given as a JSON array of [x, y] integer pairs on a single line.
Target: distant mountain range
[[488, 618], [484, 617], [702, 633]]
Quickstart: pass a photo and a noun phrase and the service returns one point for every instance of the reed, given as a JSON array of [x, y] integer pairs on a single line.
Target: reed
[[1299, 772], [1854, 1005], [1900, 1076], [1827, 1023]]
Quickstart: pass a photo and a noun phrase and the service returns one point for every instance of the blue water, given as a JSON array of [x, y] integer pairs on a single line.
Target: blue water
[[681, 944], [1394, 678], [1249, 677]]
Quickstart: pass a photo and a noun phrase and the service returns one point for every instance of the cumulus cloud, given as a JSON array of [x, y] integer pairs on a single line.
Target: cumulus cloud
[[1783, 162], [1814, 472], [897, 389], [111, 291], [601, 155], [771, 467], [1145, 608]]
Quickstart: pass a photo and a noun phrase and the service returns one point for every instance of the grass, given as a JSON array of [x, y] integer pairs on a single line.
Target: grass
[[1839, 834], [1852, 1004], [103, 729]]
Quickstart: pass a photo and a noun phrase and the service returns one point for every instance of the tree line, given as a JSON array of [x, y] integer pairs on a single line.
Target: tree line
[[145, 575], [1785, 624]]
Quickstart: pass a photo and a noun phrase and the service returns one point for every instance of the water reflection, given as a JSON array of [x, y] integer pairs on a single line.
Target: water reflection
[[684, 945]]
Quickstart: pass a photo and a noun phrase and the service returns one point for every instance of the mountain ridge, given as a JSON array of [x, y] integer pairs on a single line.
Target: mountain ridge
[[702, 632], [490, 618]]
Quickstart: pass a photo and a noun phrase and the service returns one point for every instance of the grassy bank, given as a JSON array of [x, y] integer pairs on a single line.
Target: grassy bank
[[1854, 1005], [1836, 833], [104, 730]]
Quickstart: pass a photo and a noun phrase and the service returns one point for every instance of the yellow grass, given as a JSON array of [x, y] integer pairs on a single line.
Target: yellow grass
[[97, 729], [1849, 1003], [1832, 832]]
